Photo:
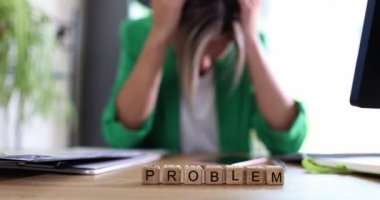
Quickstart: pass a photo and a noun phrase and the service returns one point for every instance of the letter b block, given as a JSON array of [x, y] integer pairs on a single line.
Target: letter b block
[[275, 175], [193, 175], [214, 175], [151, 175], [172, 175]]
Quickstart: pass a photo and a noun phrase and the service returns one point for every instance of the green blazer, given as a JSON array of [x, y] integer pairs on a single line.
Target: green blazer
[[237, 110]]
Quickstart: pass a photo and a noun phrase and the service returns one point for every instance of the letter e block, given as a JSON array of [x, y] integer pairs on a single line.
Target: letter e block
[[275, 175], [234, 175], [151, 175], [214, 174], [172, 175], [255, 175], [193, 175]]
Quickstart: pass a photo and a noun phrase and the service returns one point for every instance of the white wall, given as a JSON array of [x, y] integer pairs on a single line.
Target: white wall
[[313, 46]]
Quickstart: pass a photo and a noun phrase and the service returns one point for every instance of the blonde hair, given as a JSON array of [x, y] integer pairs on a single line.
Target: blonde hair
[[203, 20]]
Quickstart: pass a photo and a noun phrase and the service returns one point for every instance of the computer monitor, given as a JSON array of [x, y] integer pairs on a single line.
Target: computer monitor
[[366, 86]]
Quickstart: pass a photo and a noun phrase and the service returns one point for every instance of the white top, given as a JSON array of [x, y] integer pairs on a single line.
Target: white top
[[198, 122]]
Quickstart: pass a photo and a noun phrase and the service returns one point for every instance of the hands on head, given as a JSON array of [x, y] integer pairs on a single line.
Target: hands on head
[[167, 15], [249, 11]]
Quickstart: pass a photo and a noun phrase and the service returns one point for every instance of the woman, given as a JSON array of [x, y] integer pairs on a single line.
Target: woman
[[193, 79]]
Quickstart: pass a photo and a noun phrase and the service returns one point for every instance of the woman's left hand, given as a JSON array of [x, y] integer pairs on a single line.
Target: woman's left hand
[[276, 106], [249, 15]]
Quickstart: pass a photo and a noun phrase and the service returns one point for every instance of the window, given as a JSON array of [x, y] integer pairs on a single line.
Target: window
[[50, 133]]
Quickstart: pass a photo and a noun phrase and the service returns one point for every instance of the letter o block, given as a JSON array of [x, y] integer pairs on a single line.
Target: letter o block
[[172, 175], [151, 175], [193, 175], [275, 175], [214, 175]]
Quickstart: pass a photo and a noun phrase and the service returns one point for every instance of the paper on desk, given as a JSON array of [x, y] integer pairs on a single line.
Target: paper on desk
[[70, 157], [368, 164]]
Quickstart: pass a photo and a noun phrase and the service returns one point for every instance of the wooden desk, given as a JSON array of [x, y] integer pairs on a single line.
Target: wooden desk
[[126, 184]]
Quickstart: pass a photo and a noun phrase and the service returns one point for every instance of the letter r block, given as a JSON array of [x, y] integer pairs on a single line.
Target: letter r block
[[193, 175], [151, 175], [214, 175], [172, 175], [275, 175]]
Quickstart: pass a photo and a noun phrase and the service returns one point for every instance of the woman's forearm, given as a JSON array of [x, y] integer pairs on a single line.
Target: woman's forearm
[[138, 97], [279, 109]]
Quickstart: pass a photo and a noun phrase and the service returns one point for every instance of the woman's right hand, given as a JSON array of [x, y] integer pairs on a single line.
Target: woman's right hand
[[166, 17], [138, 97]]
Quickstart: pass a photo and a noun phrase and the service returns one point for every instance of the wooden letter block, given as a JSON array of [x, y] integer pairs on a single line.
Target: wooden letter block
[[172, 175], [214, 175], [255, 175], [234, 175], [193, 174], [151, 175], [275, 175]]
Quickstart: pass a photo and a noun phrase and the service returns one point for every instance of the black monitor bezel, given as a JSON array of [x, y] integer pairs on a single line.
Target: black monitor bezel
[[361, 95]]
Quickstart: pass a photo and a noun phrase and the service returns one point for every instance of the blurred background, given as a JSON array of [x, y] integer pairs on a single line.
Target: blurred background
[[59, 58]]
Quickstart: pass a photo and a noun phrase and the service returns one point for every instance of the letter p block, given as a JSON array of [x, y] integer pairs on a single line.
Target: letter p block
[[151, 175]]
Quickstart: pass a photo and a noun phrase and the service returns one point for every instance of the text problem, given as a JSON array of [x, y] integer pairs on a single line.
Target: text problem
[[213, 175]]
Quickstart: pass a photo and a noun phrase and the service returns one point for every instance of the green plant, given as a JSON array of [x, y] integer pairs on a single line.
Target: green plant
[[27, 44]]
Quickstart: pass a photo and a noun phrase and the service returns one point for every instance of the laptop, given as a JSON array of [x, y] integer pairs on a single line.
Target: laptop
[[82, 161]]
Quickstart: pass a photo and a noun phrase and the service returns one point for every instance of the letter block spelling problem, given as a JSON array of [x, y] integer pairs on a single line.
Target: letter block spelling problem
[[193, 175], [213, 175]]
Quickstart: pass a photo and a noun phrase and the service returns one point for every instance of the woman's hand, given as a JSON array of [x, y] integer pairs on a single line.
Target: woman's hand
[[249, 14], [138, 97], [279, 109], [166, 17]]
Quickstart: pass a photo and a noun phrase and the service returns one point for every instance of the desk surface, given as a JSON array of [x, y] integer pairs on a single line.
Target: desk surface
[[126, 184]]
